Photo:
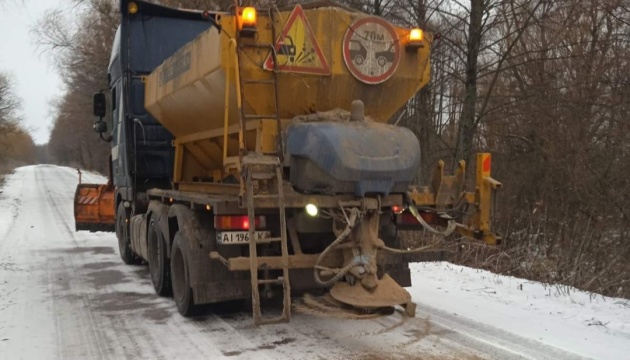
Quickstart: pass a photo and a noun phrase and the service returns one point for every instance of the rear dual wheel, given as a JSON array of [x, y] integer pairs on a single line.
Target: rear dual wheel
[[181, 284], [182, 292], [159, 266]]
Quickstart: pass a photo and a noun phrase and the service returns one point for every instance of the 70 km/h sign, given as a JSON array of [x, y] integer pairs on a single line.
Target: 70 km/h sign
[[371, 50]]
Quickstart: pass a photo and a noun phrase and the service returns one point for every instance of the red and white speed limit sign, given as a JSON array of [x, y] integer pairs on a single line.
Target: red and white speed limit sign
[[371, 50]]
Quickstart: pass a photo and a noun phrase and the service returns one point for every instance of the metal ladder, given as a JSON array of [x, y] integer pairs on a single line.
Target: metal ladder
[[258, 167], [266, 168], [242, 46]]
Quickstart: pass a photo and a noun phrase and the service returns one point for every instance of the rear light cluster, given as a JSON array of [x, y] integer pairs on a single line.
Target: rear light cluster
[[237, 222], [407, 218]]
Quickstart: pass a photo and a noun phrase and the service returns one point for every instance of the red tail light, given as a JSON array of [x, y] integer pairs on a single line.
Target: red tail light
[[396, 209], [237, 222]]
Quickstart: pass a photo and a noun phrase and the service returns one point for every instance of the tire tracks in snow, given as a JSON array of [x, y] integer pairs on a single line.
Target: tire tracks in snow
[[132, 341], [125, 338], [89, 329]]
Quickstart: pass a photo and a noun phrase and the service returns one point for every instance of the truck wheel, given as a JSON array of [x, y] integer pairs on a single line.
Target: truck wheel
[[182, 293], [122, 233], [158, 262]]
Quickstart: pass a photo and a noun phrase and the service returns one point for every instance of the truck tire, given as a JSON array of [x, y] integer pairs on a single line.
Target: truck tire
[[182, 292], [122, 233], [158, 262]]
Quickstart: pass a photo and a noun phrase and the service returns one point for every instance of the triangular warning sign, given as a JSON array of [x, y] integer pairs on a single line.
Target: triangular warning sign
[[297, 49]]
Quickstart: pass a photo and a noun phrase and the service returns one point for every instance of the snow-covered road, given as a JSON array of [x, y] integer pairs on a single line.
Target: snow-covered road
[[67, 295]]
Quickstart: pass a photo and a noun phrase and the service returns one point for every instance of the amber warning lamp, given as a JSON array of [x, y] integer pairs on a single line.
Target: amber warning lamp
[[247, 21], [415, 39], [132, 8]]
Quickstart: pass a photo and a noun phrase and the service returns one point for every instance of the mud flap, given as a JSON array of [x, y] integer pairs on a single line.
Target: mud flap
[[94, 208]]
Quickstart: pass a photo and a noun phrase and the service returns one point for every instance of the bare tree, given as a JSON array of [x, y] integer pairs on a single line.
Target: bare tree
[[81, 49], [9, 105], [16, 144]]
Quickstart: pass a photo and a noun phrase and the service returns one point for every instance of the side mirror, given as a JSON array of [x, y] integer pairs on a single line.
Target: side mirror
[[100, 126], [100, 105]]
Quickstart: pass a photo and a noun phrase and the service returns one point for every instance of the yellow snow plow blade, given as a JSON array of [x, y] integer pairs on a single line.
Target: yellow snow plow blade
[[94, 207]]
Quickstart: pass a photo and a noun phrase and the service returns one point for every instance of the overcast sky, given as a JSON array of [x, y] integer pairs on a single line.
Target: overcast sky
[[36, 80]]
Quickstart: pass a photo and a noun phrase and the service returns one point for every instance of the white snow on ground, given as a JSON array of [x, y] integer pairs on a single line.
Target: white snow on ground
[[67, 295], [562, 317]]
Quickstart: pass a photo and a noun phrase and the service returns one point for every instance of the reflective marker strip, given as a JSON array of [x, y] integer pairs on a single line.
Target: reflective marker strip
[[88, 200], [487, 161]]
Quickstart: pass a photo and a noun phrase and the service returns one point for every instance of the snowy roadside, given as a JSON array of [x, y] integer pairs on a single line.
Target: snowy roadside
[[10, 203], [566, 318]]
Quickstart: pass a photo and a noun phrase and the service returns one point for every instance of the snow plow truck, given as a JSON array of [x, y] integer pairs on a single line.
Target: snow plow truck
[[252, 158]]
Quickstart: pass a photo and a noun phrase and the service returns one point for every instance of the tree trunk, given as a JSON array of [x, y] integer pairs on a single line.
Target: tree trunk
[[466, 131]]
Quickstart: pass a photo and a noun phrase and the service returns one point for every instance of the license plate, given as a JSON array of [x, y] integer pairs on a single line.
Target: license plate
[[240, 237]]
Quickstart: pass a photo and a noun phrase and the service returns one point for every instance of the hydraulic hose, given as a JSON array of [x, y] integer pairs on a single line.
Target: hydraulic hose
[[343, 271], [449, 228], [414, 211]]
